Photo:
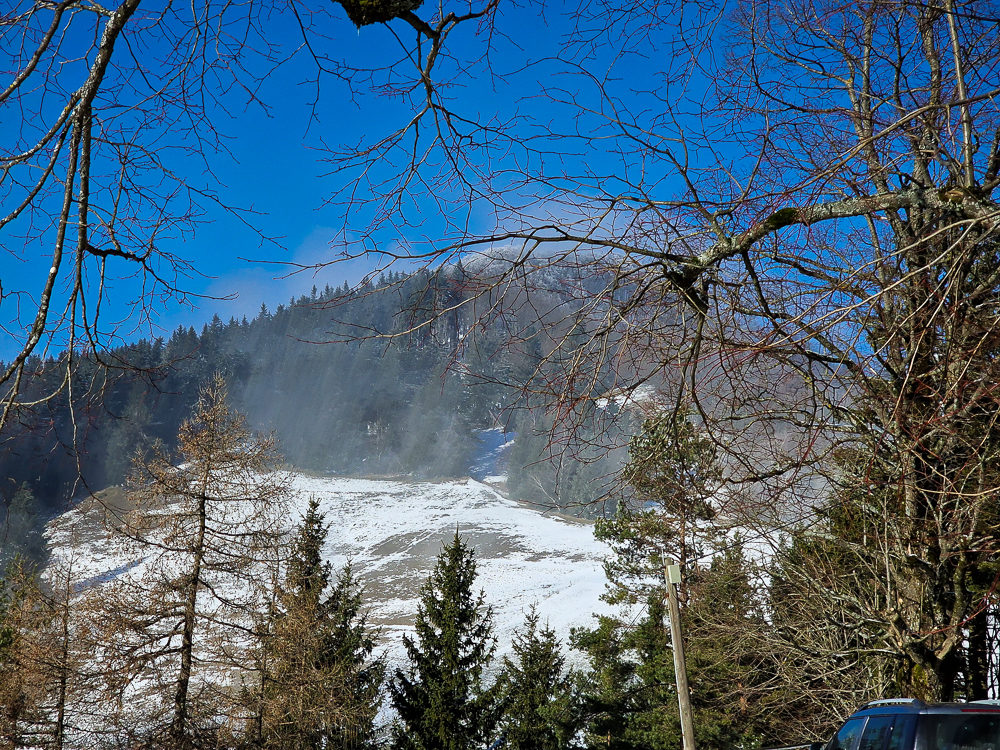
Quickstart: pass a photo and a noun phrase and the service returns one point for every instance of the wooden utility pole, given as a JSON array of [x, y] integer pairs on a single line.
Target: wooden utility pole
[[672, 576]]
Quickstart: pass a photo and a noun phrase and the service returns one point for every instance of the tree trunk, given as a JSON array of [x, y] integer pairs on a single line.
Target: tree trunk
[[977, 658], [60, 728], [181, 719]]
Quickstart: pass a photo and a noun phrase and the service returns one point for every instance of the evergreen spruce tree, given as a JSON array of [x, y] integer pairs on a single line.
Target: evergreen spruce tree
[[22, 527], [351, 644], [731, 667], [320, 685], [441, 700], [630, 694], [537, 693], [673, 472], [629, 698]]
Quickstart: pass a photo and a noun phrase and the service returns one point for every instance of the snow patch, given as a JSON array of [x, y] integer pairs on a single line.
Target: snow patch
[[392, 532]]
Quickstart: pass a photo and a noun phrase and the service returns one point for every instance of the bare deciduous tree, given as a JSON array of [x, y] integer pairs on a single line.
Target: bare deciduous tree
[[206, 529], [105, 108], [108, 107], [46, 678], [785, 212]]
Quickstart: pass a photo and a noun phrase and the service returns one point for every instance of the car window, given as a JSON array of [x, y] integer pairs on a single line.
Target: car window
[[901, 735], [962, 732], [848, 735], [877, 730]]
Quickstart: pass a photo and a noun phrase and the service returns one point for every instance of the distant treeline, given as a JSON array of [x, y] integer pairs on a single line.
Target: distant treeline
[[372, 380]]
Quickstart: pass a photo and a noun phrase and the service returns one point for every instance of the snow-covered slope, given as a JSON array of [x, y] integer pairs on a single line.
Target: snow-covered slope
[[392, 532]]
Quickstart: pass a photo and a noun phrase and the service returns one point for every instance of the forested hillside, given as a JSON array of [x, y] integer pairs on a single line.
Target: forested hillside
[[326, 374]]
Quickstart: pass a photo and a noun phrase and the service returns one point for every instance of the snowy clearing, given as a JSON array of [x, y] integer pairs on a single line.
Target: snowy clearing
[[392, 532]]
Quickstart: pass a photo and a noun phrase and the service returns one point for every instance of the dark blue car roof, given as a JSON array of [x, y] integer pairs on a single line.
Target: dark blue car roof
[[916, 706]]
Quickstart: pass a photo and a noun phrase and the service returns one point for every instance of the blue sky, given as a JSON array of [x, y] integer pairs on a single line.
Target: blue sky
[[274, 164], [271, 166], [274, 168]]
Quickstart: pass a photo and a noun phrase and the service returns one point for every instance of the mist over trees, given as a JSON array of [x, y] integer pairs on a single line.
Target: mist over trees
[[412, 405], [231, 635]]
